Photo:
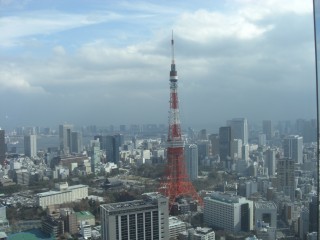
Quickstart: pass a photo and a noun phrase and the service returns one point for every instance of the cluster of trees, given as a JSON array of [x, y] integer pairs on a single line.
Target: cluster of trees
[[20, 212], [149, 171]]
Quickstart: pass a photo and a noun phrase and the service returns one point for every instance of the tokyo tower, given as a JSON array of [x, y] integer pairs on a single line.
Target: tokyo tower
[[176, 182]]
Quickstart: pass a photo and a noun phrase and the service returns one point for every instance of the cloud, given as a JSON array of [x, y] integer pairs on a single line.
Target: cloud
[[243, 60], [59, 50], [15, 81], [203, 26], [44, 23]]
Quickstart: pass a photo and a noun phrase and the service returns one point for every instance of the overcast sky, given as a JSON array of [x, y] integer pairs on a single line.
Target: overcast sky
[[107, 62]]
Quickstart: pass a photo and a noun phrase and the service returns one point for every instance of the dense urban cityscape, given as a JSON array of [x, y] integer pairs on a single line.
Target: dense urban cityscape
[[268, 169], [85, 152]]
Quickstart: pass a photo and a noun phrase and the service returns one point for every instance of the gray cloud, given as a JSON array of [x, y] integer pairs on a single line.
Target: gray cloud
[[254, 61]]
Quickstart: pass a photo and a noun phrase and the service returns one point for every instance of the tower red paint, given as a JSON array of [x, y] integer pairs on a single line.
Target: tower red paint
[[176, 182]]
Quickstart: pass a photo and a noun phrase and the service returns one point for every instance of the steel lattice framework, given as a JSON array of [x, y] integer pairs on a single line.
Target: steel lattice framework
[[176, 182]]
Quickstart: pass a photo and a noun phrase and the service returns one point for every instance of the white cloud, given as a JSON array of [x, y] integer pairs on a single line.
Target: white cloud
[[45, 22], [261, 8], [233, 56], [203, 26], [15, 80]]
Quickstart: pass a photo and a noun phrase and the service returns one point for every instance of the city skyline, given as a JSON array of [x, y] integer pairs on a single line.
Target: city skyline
[[107, 62]]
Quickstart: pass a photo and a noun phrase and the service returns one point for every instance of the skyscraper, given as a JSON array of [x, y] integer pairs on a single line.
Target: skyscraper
[[236, 149], [112, 145], [203, 150], [225, 142], [76, 142], [191, 157], [65, 138], [214, 139], [293, 147], [139, 219], [239, 129], [270, 161], [30, 145], [285, 176], [267, 129], [118, 142], [95, 154], [2, 146]]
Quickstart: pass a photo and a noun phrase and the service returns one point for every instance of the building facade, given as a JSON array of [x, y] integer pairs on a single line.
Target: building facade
[[285, 176], [270, 161], [229, 212], [293, 148], [239, 128], [65, 195], [2, 146], [76, 142], [65, 138], [265, 212], [139, 219], [225, 142], [30, 145], [191, 158], [267, 129]]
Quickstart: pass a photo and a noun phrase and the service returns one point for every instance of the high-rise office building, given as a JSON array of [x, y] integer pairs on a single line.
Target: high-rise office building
[[270, 161], [285, 176], [304, 222], [2, 146], [202, 135], [245, 152], [203, 149], [214, 139], [262, 139], [30, 145], [267, 129], [236, 149], [95, 154], [139, 219], [229, 212], [112, 145], [293, 148], [239, 129], [191, 158], [313, 214], [65, 138], [118, 143], [76, 142], [225, 142]]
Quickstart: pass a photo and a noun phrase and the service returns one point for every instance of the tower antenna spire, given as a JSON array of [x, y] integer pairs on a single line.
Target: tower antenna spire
[[172, 48]]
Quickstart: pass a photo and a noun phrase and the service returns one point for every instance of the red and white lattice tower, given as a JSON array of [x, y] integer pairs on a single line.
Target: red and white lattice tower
[[176, 182]]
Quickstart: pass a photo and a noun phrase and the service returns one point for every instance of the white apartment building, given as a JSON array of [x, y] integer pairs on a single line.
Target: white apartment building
[[63, 195], [229, 212], [176, 226]]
